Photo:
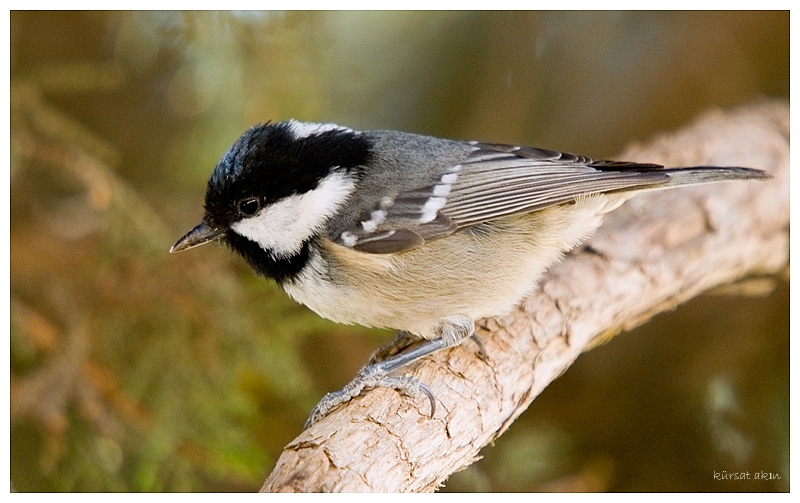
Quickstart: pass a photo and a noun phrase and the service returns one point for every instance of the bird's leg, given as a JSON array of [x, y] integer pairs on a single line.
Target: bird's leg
[[387, 360], [401, 342], [404, 340]]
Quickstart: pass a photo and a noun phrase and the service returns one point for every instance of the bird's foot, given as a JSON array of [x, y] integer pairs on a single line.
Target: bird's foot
[[368, 378], [398, 354]]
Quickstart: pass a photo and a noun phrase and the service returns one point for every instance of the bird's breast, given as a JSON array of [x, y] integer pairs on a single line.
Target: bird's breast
[[476, 272]]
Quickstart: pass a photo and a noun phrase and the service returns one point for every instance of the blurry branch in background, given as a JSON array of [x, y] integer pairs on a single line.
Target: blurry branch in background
[[658, 250], [32, 109], [43, 137]]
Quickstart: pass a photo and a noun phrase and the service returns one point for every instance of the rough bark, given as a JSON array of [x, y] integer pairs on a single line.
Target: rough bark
[[658, 250]]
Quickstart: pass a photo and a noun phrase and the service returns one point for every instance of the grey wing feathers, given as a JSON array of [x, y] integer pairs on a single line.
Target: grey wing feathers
[[493, 186], [501, 180]]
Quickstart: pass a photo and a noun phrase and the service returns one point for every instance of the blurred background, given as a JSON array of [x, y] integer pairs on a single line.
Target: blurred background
[[134, 370]]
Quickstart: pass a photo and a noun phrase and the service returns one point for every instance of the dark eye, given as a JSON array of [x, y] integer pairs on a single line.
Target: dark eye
[[249, 207]]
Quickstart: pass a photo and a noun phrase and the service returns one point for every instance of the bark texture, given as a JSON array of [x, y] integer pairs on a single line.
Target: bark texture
[[656, 251]]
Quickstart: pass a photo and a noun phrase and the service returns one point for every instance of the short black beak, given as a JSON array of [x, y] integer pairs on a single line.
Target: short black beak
[[200, 235]]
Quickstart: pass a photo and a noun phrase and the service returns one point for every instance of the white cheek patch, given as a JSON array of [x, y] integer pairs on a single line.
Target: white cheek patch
[[282, 228], [305, 129]]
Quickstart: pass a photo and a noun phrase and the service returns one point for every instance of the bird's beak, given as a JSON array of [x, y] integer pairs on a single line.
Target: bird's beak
[[200, 235]]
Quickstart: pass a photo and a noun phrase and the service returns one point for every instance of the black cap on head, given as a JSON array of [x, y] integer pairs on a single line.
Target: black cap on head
[[272, 161]]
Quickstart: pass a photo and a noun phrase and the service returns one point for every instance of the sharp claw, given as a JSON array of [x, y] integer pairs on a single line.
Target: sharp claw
[[425, 389], [481, 348]]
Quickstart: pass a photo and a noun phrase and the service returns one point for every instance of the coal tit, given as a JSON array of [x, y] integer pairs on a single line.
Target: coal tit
[[411, 232]]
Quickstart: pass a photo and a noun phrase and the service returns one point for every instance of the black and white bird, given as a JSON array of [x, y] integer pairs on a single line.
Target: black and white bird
[[411, 232]]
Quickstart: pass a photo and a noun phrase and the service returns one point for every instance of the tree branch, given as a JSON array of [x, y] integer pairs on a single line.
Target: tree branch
[[658, 250]]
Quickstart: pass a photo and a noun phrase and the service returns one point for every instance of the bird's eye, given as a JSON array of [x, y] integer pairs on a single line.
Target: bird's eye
[[249, 207]]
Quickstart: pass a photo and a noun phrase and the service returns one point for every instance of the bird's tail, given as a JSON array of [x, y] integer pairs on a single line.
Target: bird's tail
[[704, 174]]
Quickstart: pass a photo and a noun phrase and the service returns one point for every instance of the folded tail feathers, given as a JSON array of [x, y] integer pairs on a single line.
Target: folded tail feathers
[[705, 174]]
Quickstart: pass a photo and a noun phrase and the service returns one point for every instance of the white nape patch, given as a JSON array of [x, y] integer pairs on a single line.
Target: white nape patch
[[306, 129], [282, 227]]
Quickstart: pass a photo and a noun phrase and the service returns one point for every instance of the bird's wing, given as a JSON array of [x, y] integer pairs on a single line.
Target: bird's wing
[[494, 181]]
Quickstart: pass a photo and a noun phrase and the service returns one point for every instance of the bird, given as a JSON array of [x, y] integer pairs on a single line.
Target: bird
[[411, 232]]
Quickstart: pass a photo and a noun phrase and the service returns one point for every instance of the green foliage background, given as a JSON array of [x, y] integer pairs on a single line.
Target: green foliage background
[[134, 370]]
